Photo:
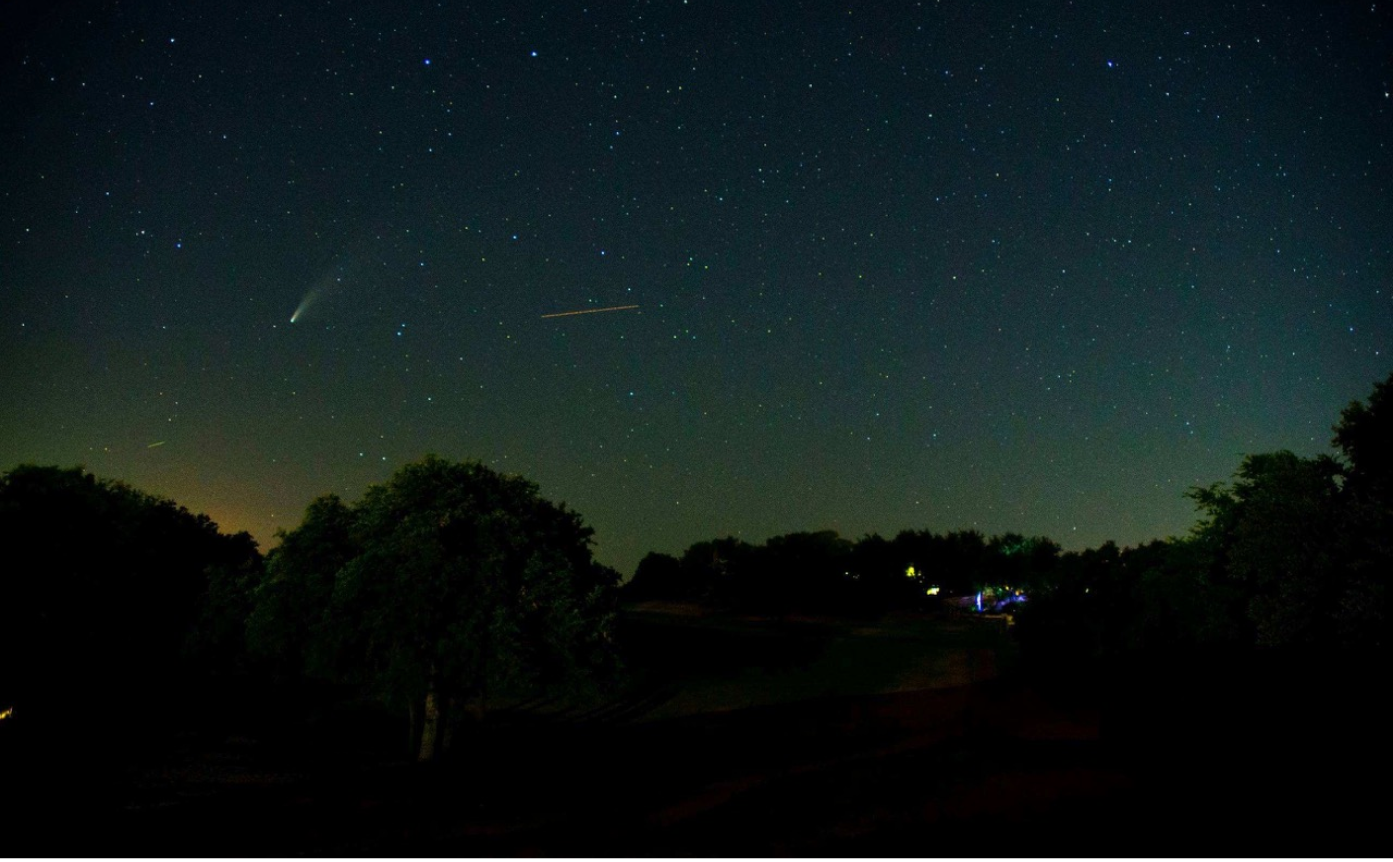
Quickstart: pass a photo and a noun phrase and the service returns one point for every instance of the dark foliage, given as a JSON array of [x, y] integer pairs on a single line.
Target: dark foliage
[[1293, 554], [658, 576], [444, 585], [111, 600], [823, 573]]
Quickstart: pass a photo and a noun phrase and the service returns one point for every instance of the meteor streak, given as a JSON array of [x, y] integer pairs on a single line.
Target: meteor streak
[[589, 311]]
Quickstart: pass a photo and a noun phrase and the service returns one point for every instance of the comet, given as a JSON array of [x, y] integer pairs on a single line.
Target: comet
[[304, 305], [328, 284], [589, 311]]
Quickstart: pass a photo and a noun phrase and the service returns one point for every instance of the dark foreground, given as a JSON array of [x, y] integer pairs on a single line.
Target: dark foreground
[[1182, 757]]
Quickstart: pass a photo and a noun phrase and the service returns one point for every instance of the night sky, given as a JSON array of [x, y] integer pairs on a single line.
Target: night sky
[[1013, 266]]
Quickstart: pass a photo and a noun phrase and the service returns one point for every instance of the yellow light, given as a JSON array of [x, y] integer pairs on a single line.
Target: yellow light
[[909, 572], [931, 591], [7, 713]]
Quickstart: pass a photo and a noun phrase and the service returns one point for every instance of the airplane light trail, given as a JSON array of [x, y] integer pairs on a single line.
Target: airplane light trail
[[590, 311]]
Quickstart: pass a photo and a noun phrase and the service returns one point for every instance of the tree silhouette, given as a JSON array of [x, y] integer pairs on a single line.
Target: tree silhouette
[[1364, 437], [443, 586], [99, 599], [658, 576], [1278, 530]]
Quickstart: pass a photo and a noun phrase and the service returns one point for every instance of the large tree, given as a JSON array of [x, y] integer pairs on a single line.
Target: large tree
[[1277, 534], [658, 576], [1306, 540], [100, 593], [289, 623], [1364, 438], [441, 587]]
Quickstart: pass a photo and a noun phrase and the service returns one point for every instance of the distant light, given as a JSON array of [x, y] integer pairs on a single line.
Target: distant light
[[534, 53], [979, 601], [931, 591], [909, 572], [427, 61], [7, 713]]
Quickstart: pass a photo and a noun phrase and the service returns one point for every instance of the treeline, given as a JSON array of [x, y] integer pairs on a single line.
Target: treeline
[[125, 615], [446, 586], [450, 584], [108, 596], [1292, 552], [823, 573]]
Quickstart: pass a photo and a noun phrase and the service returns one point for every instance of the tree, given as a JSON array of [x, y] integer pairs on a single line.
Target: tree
[[808, 571], [954, 561], [218, 644], [658, 576], [880, 576], [99, 600], [722, 572], [443, 586], [289, 622], [1364, 437], [1277, 534]]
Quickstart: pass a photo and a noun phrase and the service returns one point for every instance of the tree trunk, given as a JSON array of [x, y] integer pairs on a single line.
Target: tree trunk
[[449, 724], [430, 729], [413, 728], [478, 708]]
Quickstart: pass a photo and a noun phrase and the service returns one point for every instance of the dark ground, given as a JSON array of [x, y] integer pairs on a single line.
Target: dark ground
[[1184, 757]]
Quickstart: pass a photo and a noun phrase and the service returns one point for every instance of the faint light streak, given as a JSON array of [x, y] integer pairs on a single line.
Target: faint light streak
[[590, 311]]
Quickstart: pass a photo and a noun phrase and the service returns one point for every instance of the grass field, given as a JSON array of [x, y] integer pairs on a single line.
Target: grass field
[[683, 660]]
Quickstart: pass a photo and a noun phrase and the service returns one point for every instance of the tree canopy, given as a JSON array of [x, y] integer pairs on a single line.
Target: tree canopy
[[1292, 553], [101, 596], [443, 585], [822, 572]]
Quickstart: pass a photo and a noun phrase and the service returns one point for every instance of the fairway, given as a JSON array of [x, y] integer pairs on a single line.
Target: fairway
[[686, 661]]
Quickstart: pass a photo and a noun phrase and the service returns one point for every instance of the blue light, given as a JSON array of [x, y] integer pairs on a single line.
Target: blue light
[[427, 61], [979, 602]]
